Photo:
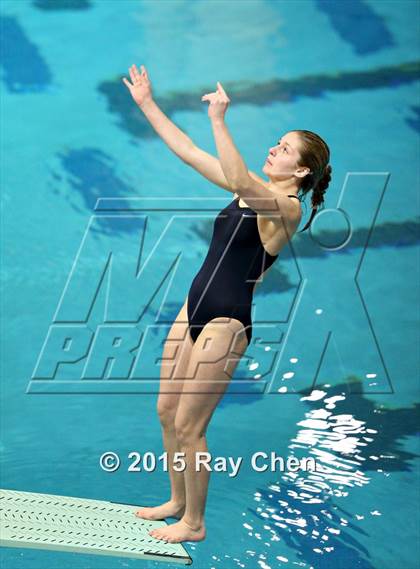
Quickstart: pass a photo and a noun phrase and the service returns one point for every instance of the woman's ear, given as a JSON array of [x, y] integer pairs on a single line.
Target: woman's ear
[[302, 171]]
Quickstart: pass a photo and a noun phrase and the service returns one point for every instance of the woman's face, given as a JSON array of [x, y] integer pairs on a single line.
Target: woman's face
[[281, 163]]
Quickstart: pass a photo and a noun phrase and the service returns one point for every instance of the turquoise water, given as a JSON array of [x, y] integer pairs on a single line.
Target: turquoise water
[[340, 380]]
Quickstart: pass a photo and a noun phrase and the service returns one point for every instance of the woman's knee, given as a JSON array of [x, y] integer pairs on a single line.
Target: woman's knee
[[167, 414], [187, 432]]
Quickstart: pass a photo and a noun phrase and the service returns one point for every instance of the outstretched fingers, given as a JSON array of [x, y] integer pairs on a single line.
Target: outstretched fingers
[[134, 74], [208, 96], [222, 91], [144, 72]]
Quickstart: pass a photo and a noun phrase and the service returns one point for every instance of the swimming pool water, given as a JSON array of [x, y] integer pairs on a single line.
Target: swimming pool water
[[345, 388]]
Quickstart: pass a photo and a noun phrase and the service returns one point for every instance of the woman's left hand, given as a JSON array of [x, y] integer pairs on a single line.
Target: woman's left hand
[[219, 102]]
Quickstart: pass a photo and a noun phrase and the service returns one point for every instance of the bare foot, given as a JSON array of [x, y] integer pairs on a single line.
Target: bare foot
[[166, 510], [180, 531]]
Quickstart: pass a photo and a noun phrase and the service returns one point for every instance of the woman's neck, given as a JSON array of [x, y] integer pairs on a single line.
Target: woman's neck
[[284, 187]]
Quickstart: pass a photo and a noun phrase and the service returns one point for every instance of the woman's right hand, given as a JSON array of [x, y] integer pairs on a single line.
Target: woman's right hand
[[140, 87]]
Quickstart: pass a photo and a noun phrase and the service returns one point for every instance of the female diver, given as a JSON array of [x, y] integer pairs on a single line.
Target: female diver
[[213, 328]]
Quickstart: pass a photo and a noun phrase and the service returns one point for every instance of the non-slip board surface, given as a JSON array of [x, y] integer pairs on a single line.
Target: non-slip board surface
[[64, 523]]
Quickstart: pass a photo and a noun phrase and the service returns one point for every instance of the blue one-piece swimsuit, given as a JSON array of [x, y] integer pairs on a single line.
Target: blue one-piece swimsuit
[[235, 261]]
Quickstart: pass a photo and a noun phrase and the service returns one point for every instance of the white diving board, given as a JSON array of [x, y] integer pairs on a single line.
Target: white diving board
[[64, 523]]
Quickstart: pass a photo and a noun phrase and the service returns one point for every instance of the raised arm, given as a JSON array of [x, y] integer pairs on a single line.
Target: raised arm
[[253, 191], [141, 91], [180, 143], [209, 166]]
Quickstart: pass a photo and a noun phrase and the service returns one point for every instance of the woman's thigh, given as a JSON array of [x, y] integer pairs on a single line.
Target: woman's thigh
[[175, 358], [212, 362]]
